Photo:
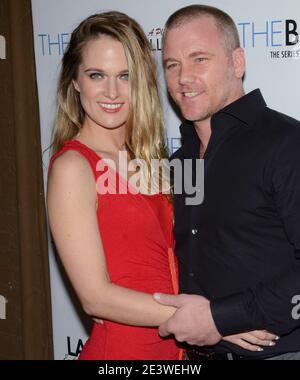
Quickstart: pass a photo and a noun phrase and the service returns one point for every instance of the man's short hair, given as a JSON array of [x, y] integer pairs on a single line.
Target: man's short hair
[[223, 21]]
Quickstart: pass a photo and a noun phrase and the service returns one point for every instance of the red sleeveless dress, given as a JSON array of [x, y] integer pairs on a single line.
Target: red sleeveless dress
[[137, 236]]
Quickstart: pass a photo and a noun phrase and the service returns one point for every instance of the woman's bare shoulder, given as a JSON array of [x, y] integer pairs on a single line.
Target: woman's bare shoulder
[[70, 160], [71, 167]]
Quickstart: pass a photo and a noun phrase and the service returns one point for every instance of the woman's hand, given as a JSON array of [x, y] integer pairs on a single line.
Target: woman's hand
[[253, 340]]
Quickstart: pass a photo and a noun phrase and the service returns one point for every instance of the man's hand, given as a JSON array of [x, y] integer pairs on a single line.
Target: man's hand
[[192, 322]]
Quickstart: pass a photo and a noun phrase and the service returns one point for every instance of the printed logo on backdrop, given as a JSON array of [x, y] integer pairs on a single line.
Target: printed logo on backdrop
[[53, 44], [74, 348], [56, 43], [173, 144], [155, 38], [281, 37]]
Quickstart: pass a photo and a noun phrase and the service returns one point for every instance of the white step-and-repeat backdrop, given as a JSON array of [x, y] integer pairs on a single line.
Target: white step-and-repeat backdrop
[[269, 33]]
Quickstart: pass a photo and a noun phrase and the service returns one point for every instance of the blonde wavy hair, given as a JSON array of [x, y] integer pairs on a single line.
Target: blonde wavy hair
[[145, 128]]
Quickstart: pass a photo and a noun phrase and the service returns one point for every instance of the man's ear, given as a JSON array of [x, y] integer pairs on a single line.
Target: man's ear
[[239, 63], [75, 84]]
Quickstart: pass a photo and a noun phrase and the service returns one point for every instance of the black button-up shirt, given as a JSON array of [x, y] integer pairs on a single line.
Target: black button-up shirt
[[240, 248]]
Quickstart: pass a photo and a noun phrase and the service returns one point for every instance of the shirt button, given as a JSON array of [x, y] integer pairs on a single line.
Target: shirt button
[[194, 231], [191, 274]]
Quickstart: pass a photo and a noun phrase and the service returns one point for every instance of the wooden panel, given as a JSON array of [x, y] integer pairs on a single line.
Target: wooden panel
[[26, 332]]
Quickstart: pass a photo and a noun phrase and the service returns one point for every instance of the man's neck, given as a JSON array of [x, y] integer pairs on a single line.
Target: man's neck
[[203, 129]]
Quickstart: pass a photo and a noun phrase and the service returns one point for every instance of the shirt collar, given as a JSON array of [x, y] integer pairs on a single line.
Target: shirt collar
[[246, 109]]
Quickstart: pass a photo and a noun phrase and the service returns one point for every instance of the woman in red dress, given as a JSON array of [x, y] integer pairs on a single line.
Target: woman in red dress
[[113, 235]]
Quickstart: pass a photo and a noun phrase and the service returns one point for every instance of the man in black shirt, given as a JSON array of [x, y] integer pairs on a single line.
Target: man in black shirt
[[238, 251]]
